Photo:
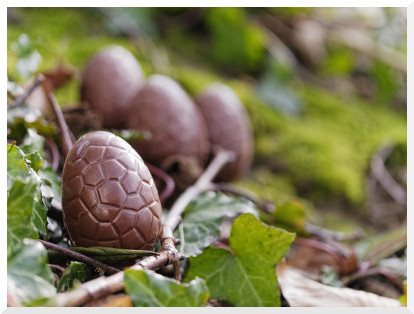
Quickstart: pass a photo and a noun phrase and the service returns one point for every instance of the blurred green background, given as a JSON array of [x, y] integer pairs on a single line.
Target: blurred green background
[[325, 88]]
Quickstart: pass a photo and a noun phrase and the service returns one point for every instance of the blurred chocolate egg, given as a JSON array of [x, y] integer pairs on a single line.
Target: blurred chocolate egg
[[108, 195], [177, 127], [110, 81], [229, 127]]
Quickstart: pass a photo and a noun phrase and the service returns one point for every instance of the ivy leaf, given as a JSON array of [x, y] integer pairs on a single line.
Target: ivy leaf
[[202, 220], [19, 214], [73, 274], [39, 214], [147, 288], [34, 160], [22, 118], [17, 166], [33, 142], [29, 278], [18, 169], [52, 181], [244, 276], [111, 255]]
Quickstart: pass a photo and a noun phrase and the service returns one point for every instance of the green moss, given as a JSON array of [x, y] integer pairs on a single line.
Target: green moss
[[236, 43], [268, 186], [323, 153], [327, 150]]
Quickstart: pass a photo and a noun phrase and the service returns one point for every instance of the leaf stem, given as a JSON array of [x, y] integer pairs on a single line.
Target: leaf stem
[[79, 256]]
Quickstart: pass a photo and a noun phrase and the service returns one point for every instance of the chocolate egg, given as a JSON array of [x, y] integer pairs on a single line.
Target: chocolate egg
[[176, 124], [109, 82], [108, 195], [229, 127]]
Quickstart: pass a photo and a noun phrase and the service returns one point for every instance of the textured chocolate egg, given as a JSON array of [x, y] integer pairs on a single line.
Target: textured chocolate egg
[[108, 195], [176, 124], [229, 127], [109, 82]]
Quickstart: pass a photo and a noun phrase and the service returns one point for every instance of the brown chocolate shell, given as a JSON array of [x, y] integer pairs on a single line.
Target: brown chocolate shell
[[109, 82], [229, 127], [108, 195], [174, 121]]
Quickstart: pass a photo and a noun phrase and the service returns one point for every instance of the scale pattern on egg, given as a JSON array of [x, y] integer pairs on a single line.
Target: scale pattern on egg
[[108, 195]]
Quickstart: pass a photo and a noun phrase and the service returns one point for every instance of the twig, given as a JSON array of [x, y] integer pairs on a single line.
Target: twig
[[66, 137], [327, 234], [59, 268], [55, 153], [380, 173], [202, 185], [266, 206], [102, 286], [168, 181], [325, 247], [393, 278], [21, 99], [79, 256]]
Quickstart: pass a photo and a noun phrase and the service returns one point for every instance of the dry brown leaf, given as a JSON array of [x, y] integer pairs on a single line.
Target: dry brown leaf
[[302, 291]]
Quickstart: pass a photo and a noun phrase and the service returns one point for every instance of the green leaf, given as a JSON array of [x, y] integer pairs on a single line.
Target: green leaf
[[33, 142], [22, 118], [29, 278], [147, 288], [18, 169], [34, 160], [51, 180], [202, 220], [74, 274], [39, 215], [244, 276], [111, 255], [17, 166], [19, 214]]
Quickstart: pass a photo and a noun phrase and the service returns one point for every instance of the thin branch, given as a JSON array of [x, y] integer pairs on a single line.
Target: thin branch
[[168, 181], [55, 153], [381, 174], [79, 256], [202, 185], [327, 234], [66, 136], [21, 99], [266, 206], [102, 286], [325, 247], [59, 268]]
